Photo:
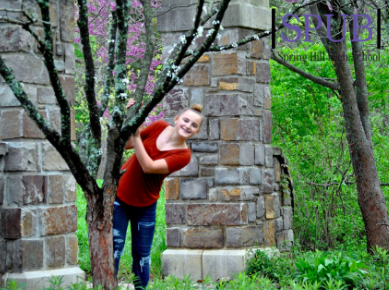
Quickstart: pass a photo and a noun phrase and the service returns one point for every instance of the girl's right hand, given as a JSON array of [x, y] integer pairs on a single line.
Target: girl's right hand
[[130, 103]]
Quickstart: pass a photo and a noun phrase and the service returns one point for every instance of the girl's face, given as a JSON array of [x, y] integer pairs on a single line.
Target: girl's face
[[187, 124]]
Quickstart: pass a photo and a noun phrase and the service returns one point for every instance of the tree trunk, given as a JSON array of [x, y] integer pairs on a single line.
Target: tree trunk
[[99, 218], [370, 197]]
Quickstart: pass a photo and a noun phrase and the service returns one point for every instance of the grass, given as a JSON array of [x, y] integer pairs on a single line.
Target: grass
[[159, 242]]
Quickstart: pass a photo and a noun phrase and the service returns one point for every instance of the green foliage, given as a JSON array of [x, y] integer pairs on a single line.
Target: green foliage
[[13, 285], [329, 268], [260, 264]]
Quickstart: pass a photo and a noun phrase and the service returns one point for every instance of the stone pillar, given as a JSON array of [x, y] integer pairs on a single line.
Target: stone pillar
[[38, 217], [228, 198]]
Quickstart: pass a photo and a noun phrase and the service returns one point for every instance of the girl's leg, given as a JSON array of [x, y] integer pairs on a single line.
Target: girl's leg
[[120, 225], [142, 229]]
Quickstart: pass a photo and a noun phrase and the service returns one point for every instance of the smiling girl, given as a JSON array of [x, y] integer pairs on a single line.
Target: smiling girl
[[160, 150]]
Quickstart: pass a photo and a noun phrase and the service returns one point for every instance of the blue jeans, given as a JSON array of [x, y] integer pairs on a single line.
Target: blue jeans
[[142, 232]]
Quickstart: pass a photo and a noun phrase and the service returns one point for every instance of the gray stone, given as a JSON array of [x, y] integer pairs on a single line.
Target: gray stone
[[70, 187], [55, 251], [71, 249], [46, 96], [175, 213], [246, 193], [267, 183], [255, 175], [260, 207], [193, 188], [204, 147], [3, 148], [279, 224], [269, 162], [203, 238], [22, 156], [175, 101], [7, 97], [207, 171], [55, 189], [285, 240], [52, 160], [209, 159], [226, 105], [182, 263], [59, 65], [244, 236], [191, 169], [267, 127], [210, 182], [246, 154], [203, 133], [226, 176], [15, 38], [259, 154], [69, 59], [16, 191], [288, 217], [214, 129], [173, 237], [14, 255], [213, 194], [60, 50], [196, 96], [261, 93], [34, 189], [18, 63], [251, 212], [2, 190], [263, 72], [3, 256], [217, 214], [66, 15], [11, 223], [272, 204], [28, 222]]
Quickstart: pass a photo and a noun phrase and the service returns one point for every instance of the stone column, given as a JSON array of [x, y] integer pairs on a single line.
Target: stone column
[[38, 216], [228, 198]]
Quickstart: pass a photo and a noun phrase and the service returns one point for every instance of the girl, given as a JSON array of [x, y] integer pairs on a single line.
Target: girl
[[160, 150]]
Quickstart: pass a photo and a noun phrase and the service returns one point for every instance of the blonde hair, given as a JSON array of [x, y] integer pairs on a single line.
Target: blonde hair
[[195, 108]]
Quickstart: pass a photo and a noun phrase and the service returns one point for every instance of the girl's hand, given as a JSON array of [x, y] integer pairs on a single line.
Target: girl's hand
[[130, 103]]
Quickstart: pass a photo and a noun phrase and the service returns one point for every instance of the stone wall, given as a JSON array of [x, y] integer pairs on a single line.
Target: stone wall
[[38, 216], [228, 199]]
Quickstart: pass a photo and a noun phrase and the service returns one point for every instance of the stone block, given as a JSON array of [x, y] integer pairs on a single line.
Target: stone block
[[15, 193], [22, 156], [203, 238], [251, 68], [261, 48], [267, 127], [240, 129], [59, 49], [30, 129], [206, 171], [262, 96], [55, 251], [66, 15], [15, 39], [286, 197], [228, 64], [209, 159], [3, 256], [267, 182], [226, 176], [7, 97], [259, 155], [197, 76], [277, 170], [263, 72], [203, 133], [269, 156], [196, 96], [28, 222], [195, 188], [175, 101], [217, 214], [285, 240], [58, 220], [288, 217], [260, 207], [237, 84], [68, 87], [46, 96], [229, 153], [214, 129], [251, 212], [269, 233], [19, 62], [181, 263], [175, 213], [14, 256], [255, 175], [279, 224], [245, 193], [11, 223], [60, 65], [213, 194], [171, 189], [55, 117], [192, 169], [217, 105], [52, 160], [71, 249], [32, 254], [272, 203], [246, 154], [55, 190], [210, 182], [70, 187], [69, 58], [11, 123], [204, 147], [244, 236], [173, 237]]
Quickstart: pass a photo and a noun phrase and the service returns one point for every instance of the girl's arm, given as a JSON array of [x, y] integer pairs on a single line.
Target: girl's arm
[[129, 143], [148, 165]]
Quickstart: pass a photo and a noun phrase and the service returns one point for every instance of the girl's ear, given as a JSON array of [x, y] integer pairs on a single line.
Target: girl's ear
[[175, 119]]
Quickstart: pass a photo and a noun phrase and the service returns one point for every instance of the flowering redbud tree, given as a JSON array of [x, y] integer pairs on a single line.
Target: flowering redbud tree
[[130, 37]]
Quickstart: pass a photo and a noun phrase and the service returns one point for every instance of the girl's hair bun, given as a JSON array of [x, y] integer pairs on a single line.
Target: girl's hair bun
[[197, 107]]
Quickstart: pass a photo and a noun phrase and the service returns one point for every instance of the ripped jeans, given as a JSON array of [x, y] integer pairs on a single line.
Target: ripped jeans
[[142, 232]]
